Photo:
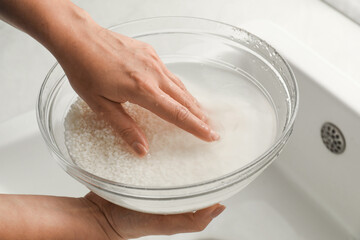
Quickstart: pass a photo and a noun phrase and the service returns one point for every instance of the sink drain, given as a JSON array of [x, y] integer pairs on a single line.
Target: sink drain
[[333, 138]]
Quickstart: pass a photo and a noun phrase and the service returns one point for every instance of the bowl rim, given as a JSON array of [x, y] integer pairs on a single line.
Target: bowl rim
[[282, 139]]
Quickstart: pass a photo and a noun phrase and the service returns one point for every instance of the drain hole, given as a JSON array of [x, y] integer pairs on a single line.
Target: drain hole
[[333, 138]]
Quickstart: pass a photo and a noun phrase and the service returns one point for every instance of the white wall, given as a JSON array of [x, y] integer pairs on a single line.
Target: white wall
[[23, 66]]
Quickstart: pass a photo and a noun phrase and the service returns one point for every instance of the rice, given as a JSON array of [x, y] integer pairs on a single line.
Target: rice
[[246, 125], [95, 147]]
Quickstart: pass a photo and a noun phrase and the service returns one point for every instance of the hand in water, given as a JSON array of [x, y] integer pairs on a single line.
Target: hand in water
[[109, 69]]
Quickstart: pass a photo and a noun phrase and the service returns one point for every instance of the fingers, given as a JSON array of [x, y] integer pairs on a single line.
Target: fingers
[[132, 224], [180, 84], [125, 126], [177, 81], [185, 99], [184, 223], [170, 110], [191, 222], [173, 78]]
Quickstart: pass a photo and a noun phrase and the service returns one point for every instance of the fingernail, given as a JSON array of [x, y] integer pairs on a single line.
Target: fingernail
[[139, 148], [214, 136], [217, 211]]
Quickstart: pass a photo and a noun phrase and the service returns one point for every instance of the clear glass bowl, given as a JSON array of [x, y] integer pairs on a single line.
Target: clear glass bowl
[[181, 38]]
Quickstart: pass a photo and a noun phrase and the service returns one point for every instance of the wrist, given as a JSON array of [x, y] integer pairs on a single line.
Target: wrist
[[47, 217], [68, 27], [59, 25]]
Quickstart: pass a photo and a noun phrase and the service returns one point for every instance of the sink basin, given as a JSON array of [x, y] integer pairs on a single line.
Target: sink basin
[[307, 193]]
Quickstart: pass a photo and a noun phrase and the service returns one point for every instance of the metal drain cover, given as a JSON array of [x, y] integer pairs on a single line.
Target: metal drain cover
[[333, 138]]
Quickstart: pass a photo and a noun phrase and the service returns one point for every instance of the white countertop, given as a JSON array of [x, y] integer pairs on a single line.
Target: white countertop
[[24, 63]]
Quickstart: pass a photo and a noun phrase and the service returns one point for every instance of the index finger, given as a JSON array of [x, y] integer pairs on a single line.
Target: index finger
[[170, 110]]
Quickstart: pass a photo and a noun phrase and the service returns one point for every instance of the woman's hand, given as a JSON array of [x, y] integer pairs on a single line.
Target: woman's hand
[[91, 217], [105, 69], [109, 69], [126, 224]]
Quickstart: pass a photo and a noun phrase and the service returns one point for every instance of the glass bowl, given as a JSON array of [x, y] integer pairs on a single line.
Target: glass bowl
[[181, 39]]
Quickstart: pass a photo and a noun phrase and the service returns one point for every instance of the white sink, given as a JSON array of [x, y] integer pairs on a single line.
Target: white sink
[[308, 193]]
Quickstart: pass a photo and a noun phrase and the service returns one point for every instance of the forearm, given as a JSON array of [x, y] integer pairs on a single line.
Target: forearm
[[46, 217], [59, 25]]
